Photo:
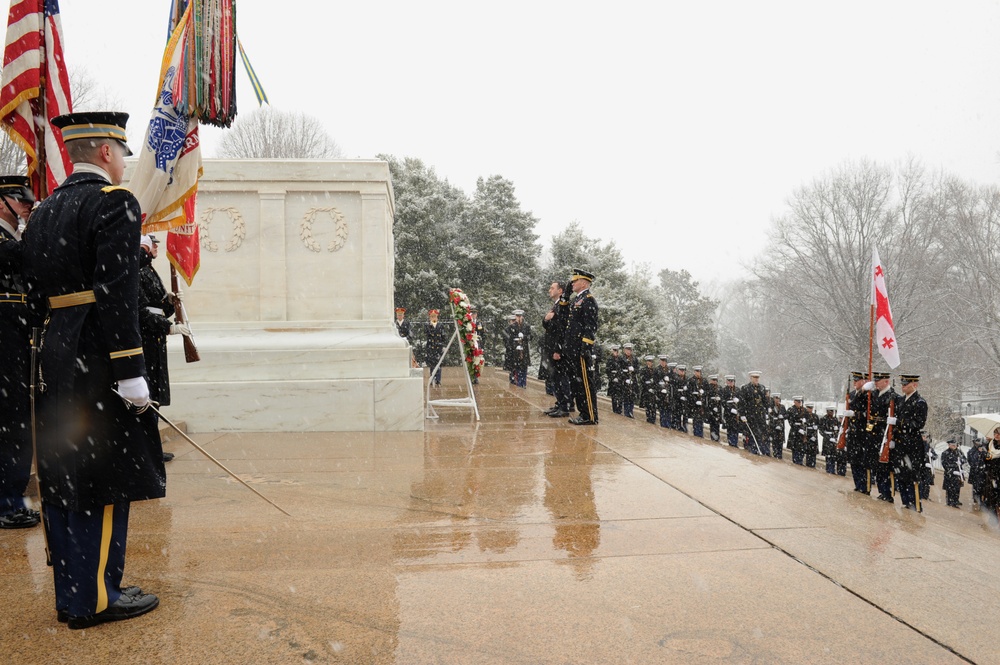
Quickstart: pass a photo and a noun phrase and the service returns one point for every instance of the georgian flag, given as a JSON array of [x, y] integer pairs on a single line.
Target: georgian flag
[[885, 333]]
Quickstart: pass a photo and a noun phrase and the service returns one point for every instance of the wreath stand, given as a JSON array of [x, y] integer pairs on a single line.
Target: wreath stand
[[467, 402]]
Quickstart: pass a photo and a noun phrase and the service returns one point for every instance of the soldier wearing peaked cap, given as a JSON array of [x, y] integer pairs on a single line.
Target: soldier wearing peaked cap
[[581, 332], [630, 379], [713, 407], [777, 415], [829, 428], [729, 396], [753, 414], [81, 265], [696, 402], [662, 379], [15, 439], [907, 453], [435, 339], [679, 409], [857, 453], [878, 420], [613, 371], [520, 333], [647, 386]]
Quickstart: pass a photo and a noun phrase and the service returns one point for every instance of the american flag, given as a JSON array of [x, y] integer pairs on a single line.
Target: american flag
[[32, 62]]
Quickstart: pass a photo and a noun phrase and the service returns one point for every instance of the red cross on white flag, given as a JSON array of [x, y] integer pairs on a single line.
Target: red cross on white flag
[[885, 333]]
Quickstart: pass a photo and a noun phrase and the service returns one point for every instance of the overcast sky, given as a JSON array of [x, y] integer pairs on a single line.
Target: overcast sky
[[677, 130]]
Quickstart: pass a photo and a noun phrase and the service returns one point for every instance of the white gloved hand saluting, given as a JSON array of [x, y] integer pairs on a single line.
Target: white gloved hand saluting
[[868, 387], [134, 390], [891, 420], [180, 329]]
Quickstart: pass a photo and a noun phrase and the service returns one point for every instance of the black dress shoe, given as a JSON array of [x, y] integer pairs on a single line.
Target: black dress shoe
[[63, 616], [22, 518], [126, 607], [167, 457], [581, 421], [550, 410], [558, 414]]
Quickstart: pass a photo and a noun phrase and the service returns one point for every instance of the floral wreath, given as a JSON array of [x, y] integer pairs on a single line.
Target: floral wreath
[[471, 349]]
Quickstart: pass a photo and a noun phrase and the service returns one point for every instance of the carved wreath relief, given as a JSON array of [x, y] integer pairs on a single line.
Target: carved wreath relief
[[340, 229], [239, 226]]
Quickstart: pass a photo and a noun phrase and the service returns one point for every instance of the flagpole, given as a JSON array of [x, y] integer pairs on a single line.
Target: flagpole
[[41, 124]]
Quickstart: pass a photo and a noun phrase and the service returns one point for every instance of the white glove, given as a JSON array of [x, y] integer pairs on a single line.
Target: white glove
[[848, 413], [928, 465], [891, 420], [734, 412], [802, 431], [698, 403], [520, 335], [684, 399], [957, 473], [180, 329], [664, 391], [743, 418], [701, 392], [736, 400], [134, 390], [178, 294], [868, 387], [628, 381], [892, 445]]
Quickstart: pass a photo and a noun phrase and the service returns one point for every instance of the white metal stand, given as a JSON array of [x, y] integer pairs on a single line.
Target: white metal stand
[[468, 402]]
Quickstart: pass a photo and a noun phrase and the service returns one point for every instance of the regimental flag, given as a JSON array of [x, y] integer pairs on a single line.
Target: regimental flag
[[33, 63], [885, 332], [165, 180]]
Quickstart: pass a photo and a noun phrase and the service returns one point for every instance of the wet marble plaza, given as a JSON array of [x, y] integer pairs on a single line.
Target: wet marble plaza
[[522, 539]]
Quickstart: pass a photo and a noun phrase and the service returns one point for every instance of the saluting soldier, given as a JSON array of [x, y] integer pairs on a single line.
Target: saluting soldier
[[615, 381], [777, 415], [829, 429], [15, 401], [630, 379], [580, 335], [81, 264], [696, 401], [907, 453], [729, 395], [753, 414], [713, 407], [435, 337], [647, 386]]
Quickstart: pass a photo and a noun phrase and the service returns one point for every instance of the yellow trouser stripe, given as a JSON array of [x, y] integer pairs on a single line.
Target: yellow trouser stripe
[[868, 480], [586, 388], [892, 483], [102, 589], [916, 494]]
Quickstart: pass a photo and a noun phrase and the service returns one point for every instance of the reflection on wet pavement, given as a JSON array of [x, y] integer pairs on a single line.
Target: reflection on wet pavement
[[519, 539]]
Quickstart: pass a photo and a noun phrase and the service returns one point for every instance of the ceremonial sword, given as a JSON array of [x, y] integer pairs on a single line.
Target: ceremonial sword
[[199, 449]]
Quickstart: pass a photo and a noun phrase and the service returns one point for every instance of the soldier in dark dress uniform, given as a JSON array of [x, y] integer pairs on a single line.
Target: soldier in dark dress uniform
[[435, 337], [812, 435], [954, 463], [729, 395], [647, 386], [977, 471], [907, 453], [829, 429], [882, 396], [777, 415], [81, 265], [613, 370], [15, 404], [713, 408], [679, 407], [856, 436], [156, 306], [696, 401], [508, 349], [753, 414], [662, 378], [520, 345], [402, 324], [797, 430], [630, 379], [554, 325], [581, 331]]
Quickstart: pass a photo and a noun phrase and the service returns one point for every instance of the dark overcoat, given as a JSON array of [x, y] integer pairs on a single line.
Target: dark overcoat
[[92, 450]]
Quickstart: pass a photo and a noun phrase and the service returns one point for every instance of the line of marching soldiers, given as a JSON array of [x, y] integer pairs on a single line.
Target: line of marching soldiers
[[894, 461]]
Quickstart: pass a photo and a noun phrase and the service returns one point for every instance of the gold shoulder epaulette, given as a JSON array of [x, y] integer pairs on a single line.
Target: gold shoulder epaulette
[[111, 188]]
